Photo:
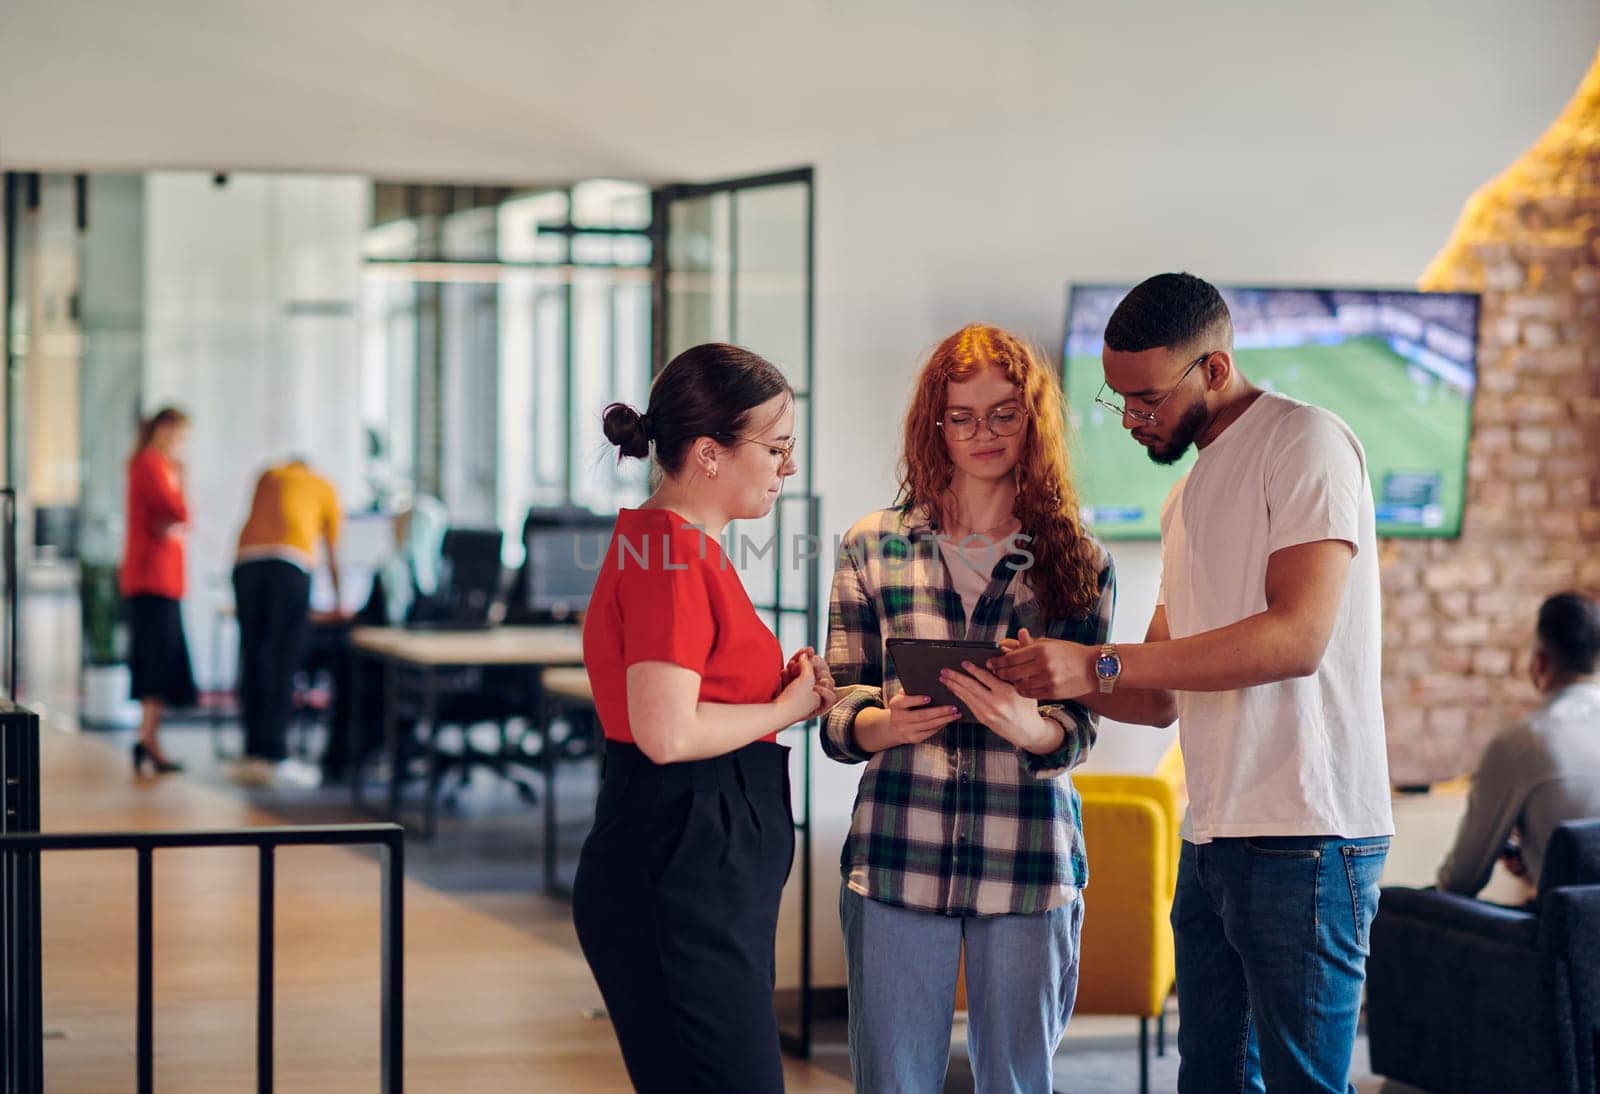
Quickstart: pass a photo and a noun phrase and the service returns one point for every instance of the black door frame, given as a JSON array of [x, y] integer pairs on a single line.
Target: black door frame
[[795, 1042]]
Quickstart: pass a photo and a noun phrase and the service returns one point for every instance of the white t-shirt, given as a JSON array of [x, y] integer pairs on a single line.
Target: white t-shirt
[[1304, 756]]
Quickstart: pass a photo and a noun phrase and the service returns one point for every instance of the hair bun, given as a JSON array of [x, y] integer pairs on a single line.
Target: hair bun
[[629, 430]]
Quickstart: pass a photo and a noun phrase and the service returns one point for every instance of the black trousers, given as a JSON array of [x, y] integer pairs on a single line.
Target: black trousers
[[273, 600], [676, 904]]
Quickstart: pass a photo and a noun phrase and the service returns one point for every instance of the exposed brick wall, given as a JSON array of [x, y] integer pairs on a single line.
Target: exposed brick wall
[[1459, 614]]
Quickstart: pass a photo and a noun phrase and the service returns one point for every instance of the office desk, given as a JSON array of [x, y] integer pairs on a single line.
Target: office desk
[[569, 686], [427, 656], [567, 694]]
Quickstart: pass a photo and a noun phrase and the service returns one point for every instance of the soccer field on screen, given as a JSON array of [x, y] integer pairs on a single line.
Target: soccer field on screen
[[1413, 426]]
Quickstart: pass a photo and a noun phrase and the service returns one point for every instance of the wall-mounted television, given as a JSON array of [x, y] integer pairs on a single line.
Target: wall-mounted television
[[1399, 367]]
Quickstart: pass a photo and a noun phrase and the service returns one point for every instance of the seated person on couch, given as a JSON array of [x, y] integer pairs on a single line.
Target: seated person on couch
[[1544, 770]]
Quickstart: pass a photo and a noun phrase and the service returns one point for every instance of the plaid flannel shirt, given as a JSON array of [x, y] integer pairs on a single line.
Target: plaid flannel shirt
[[963, 823]]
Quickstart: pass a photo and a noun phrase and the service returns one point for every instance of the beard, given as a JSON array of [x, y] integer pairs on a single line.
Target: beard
[[1190, 426]]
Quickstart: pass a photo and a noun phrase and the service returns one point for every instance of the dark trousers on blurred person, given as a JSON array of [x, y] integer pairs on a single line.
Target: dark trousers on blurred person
[[273, 600]]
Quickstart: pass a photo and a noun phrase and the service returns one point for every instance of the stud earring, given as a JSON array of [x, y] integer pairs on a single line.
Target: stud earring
[[711, 472]]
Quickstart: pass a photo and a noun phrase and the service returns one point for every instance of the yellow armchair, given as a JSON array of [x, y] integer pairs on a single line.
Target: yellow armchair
[[1131, 827], [1126, 965]]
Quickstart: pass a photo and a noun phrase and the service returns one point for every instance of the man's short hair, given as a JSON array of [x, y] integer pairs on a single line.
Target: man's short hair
[[1569, 632], [1165, 311]]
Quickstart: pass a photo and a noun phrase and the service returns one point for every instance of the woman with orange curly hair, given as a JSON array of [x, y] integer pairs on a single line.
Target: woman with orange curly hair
[[966, 830]]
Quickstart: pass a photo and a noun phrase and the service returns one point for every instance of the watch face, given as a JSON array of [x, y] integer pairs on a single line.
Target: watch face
[[1107, 666]]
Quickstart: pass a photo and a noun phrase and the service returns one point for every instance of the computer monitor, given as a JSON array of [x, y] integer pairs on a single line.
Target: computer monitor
[[366, 542], [366, 539], [55, 532], [564, 550]]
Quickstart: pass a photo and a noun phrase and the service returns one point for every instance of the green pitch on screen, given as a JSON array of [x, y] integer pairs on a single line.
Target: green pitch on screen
[[1412, 425]]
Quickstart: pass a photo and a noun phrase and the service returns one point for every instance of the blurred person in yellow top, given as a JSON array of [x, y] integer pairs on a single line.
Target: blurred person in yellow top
[[293, 511]]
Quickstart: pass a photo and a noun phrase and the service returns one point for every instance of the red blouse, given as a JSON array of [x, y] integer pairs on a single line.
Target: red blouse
[[152, 561], [665, 592]]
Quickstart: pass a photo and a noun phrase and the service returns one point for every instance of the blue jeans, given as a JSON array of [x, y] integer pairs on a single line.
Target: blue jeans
[[1272, 938], [1022, 977]]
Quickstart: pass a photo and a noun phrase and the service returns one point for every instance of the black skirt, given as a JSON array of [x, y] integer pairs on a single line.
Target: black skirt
[[158, 654]]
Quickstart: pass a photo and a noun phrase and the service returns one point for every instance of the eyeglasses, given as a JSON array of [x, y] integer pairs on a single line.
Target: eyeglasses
[[779, 450], [1148, 417], [962, 425]]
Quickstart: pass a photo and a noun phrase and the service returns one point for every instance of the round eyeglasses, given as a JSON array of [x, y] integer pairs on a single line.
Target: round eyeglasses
[[778, 450], [1148, 417], [962, 425]]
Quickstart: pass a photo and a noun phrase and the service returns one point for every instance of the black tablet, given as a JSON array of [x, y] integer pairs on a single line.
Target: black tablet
[[918, 662]]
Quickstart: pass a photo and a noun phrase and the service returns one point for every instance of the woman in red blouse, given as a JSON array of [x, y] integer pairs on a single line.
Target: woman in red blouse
[[152, 581], [676, 899]]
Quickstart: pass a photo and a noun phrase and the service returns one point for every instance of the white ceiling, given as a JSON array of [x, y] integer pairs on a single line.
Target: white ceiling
[[489, 89], [519, 90]]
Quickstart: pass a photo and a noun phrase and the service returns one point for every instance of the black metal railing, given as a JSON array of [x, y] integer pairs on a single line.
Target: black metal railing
[[25, 847], [20, 1037], [8, 568]]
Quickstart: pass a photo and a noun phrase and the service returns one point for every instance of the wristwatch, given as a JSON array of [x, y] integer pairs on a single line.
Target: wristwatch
[[1107, 668]]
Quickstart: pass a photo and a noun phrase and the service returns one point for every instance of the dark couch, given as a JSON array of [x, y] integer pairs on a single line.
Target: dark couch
[[1466, 996]]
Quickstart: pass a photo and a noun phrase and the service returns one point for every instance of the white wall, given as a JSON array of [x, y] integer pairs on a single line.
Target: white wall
[[971, 160], [251, 327]]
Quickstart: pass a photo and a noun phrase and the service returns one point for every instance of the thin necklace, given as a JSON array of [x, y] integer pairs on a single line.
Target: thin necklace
[[987, 532]]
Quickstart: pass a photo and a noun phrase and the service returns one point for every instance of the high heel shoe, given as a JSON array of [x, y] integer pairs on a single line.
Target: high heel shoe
[[143, 756]]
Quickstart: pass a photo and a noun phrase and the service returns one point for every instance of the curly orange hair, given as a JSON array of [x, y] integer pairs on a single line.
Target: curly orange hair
[[1066, 573]]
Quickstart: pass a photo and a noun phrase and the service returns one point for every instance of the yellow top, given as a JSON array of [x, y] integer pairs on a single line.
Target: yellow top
[[293, 507]]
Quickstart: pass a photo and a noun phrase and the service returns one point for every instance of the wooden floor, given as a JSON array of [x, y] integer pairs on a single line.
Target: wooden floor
[[488, 1007]]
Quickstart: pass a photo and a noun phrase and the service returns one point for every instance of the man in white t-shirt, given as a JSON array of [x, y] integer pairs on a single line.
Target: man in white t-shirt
[[1268, 634]]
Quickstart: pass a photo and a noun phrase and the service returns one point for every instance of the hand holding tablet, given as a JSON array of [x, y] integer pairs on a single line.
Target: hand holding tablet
[[919, 661], [956, 670]]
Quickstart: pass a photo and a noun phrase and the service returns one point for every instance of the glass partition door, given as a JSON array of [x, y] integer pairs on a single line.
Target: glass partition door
[[733, 263]]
